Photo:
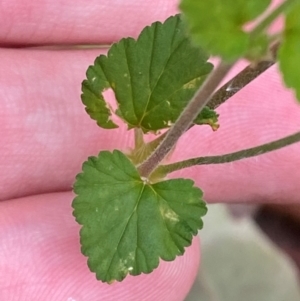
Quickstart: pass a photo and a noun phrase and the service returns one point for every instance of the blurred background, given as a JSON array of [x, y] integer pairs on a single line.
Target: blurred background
[[249, 253]]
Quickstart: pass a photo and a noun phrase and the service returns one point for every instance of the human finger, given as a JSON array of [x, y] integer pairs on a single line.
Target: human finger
[[44, 22], [43, 122], [40, 259], [46, 135]]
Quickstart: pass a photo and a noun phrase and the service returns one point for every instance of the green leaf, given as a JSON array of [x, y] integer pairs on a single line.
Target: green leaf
[[218, 25], [153, 77], [208, 116], [289, 52], [128, 224]]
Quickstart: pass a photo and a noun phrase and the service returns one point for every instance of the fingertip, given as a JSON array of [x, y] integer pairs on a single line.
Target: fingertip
[[40, 256], [45, 22]]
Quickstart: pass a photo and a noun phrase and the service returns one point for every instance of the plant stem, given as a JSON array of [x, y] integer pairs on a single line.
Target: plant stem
[[267, 21], [201, 98], [138, 138], [250, 72], [143, 150], [242, 79], [246, 153], [238, 82]]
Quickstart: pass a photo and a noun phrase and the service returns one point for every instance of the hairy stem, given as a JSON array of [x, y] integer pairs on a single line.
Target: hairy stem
[[242, 79], [201, 98], [252, 71], [143, 150], [246, 153], [247, 75], [138, 138]]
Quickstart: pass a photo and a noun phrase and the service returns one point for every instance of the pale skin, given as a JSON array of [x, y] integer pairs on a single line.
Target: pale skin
[[45, 135]]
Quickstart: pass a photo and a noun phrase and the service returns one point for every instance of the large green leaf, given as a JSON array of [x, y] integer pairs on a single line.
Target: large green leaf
[[289, 53], [152, 77], [218, 25], [128, 224]]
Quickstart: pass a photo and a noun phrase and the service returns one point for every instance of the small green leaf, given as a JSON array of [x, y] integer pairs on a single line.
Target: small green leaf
[[289, 52], [129, 224], [208, 116], [153, 77], [217, 25]]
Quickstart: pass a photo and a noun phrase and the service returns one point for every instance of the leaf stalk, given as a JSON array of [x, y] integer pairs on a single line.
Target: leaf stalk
[[231, 157]]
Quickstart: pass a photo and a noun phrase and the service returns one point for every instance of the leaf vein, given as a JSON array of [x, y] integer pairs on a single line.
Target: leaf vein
[[163, 70]]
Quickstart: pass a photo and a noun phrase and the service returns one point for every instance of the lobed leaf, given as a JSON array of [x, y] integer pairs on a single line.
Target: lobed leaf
[[218, 25], [289, 52], [153, 77], [129, 224]]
